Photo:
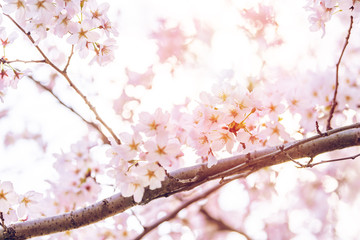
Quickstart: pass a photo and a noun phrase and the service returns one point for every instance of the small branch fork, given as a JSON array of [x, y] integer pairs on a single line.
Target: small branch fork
[[334, 102], [103, 136], [65, 75]]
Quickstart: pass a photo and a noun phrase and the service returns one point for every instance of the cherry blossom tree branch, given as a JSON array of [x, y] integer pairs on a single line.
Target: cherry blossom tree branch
[[96, 127], [66, 76], [334, 102], [188, 178]]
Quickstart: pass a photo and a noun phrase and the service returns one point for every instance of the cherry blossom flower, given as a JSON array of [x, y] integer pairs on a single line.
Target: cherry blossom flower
[[29, 203], [38, 29], [97, 13], [154, 124], [152, 174], [104, 52], [221, 138], [7, 39], [81, 33], [162, 150], [42, 9], [212, 119], [199, 141], [8, 197], [276, 132], [61, 25], [133, 187], [20, 7], [130, 146]]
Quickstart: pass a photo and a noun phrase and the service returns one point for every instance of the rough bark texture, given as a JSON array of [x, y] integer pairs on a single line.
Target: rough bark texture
[[188, 178]]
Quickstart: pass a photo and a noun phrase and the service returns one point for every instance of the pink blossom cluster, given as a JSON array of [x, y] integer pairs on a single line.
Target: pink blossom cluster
[[140, 160], [322, 11], [230, 119], [233, 119], [77, 173], [84, 23]]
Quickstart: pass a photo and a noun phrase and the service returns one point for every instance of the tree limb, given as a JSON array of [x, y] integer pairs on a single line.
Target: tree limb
[[188, 178]]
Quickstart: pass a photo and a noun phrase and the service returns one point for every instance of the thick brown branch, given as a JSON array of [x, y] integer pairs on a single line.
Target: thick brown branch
[[334, 102], [188, 178]]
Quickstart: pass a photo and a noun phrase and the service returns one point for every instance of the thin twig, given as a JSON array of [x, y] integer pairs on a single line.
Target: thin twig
[[310, 165], [222, 226], [69, 58], [26, 61], [137, 218], [173, 214], [64, 74], [334, 102], [103, 136]]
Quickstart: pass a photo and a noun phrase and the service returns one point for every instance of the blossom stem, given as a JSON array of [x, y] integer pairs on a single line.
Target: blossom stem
[[334, 102]]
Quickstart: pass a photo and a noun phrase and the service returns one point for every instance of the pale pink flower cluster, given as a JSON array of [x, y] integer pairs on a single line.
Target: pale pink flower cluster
[[322, 11], [226, 120], [77, 175], [140, 160], [16, 207], [84, 23], [231, 119]]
